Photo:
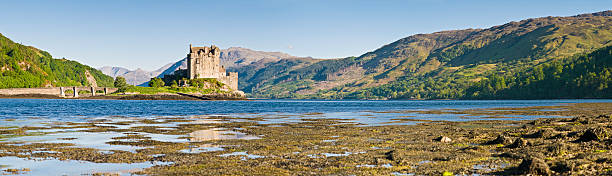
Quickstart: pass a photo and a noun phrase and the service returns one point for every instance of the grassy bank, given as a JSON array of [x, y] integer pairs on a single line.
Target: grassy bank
[[166, 89]]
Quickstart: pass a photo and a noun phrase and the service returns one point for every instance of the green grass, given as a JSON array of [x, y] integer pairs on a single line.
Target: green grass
[[161, 90]]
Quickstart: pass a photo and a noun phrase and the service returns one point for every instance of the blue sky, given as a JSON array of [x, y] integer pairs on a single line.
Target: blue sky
[[149, 34]]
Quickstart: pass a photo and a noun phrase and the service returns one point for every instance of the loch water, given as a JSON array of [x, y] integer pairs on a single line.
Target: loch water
[[67, 109]]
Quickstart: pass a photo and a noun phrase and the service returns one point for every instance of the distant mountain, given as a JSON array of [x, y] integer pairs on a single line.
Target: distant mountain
[[132, 77], [236, 57], [232, 58], [439, 65], [114, 71], [26, 67]]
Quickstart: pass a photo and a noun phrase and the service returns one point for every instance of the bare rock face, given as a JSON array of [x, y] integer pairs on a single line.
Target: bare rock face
[[90, 79], [534, 166]]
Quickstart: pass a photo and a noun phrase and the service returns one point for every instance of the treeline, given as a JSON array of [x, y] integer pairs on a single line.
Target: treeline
[[582, 76], [421, 87], [25, 67], [579, 76]]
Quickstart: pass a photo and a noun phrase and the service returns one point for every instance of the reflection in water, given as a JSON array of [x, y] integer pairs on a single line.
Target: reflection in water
[[96, 140], [71, 167], [204, 121], [218, 134]]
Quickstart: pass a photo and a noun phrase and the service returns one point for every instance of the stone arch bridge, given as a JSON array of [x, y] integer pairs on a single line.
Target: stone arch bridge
[[60, 91]]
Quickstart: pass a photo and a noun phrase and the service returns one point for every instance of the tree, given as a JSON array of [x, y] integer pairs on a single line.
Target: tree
[[156, 82], [174, 84], [121, 84]]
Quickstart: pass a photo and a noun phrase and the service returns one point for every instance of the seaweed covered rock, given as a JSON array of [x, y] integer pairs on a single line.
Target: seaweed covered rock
[[582, 119], [390, 155], [542, 133], [501, 139], [593, 134], [563, 166], [534, 166], [519, 143], [557, 149]]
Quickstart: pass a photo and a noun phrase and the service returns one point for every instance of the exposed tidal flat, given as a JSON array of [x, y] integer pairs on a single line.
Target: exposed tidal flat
[[275, 137]]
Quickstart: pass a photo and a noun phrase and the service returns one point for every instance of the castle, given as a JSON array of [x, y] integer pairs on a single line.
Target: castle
[[204, 62]]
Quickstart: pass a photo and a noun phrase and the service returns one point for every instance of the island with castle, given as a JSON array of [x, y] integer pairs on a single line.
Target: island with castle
[[204, 70], [204, 78]]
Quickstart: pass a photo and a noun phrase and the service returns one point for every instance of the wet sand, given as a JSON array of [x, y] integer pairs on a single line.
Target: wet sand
[[580, 143]]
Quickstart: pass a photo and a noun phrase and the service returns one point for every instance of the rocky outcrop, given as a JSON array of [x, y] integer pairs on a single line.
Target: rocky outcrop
[[534, 166], [90, 79], [593, 134]]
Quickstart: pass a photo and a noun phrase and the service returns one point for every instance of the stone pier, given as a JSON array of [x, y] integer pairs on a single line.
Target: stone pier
[[62, 92], [75, 91]]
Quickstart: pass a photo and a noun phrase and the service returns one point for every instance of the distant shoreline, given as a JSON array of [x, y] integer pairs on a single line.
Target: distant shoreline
[[125, 97]]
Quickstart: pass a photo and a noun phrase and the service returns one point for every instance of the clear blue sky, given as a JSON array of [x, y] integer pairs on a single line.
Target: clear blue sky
[[149, 34]]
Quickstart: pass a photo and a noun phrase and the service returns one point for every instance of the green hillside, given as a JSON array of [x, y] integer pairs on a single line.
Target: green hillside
[[439, 65], [581, 76], [26, 67]]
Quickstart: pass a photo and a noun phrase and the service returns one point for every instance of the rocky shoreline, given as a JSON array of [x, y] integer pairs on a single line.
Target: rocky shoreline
[[579, 143], [128, 97]]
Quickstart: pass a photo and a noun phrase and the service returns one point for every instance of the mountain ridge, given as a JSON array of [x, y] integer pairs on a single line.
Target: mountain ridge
[[232, 58], [438, 65], [456, 57]]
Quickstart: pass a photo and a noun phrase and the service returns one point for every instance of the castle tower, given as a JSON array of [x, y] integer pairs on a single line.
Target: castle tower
[[205, 62]]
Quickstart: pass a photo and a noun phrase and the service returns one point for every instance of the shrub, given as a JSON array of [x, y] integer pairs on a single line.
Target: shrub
[[121, 84]]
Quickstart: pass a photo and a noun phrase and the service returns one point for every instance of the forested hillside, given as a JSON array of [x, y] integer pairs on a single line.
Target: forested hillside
[[440, 65], [581, 76], [25, 67]]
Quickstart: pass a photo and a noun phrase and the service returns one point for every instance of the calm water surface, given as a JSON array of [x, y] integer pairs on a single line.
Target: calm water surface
[[67, 109]]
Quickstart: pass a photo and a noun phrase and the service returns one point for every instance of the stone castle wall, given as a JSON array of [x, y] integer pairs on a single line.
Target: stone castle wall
[[230, 79], [204, 62]]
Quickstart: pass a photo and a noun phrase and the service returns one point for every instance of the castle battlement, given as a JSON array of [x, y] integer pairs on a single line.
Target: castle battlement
[[204, 62]]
